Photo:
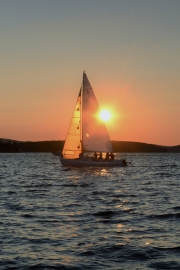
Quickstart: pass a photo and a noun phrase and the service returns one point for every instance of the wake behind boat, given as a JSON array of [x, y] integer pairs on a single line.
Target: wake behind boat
[[87, 133]]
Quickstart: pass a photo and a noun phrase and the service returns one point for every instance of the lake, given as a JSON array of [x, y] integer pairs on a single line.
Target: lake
[[52, 217]]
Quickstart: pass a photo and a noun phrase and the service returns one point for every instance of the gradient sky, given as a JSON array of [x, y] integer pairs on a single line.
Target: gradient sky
[[129, 49]]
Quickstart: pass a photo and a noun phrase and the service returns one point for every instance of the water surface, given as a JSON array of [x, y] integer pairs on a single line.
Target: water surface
[[52, 217]]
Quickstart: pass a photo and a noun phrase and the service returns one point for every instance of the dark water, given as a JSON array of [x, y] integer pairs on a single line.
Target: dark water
[[114, 218]]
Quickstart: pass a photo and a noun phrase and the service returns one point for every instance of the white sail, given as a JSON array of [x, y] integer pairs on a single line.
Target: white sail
[[95, 136], [72, 147]]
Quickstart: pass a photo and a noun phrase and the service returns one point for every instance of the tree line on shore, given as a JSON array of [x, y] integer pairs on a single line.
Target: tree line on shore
[[10, 146]]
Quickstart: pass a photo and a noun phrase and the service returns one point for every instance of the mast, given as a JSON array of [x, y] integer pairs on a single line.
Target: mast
[[82, 92]]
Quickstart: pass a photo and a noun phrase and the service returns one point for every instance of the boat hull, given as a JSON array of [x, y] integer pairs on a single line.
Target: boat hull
[[90, 163]]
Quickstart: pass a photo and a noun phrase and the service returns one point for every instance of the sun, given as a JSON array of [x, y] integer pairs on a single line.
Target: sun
[[105, 115]]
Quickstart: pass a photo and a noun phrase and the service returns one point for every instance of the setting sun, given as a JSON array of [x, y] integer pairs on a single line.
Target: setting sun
[[105, 115]]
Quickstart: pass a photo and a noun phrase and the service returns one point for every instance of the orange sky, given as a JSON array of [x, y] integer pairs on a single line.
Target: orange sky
[[129, 49]]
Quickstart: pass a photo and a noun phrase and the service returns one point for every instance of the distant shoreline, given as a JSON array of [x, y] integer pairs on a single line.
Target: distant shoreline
[[12, 146]]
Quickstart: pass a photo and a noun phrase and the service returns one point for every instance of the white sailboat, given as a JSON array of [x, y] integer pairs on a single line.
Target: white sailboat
[[87, 133]]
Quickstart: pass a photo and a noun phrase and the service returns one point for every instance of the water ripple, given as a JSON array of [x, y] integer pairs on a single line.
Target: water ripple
[[94, 218]]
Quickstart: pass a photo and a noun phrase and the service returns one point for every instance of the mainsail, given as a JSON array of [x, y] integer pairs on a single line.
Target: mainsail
[[95, 136], [72, 147]]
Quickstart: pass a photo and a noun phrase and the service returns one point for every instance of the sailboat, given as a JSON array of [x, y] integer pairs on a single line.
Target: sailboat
[[87, 133]]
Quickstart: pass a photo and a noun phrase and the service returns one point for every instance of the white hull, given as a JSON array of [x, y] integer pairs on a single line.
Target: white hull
[[90, 163]]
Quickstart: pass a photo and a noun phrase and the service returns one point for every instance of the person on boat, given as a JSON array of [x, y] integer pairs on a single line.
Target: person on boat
[[81, 155], [100, 157], [107, 157], [94, 157], [124, 162], [112, 156]]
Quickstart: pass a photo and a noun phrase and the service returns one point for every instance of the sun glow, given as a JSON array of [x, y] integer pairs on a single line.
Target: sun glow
[[105, 115]]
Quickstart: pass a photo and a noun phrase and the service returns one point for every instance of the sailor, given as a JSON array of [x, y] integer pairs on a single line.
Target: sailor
[[81, 155], [124, 162], [107, 156], [100, 157], [112, 156], [94, 157]]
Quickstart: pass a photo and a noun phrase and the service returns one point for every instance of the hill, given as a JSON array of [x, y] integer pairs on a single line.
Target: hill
[[12, 146]]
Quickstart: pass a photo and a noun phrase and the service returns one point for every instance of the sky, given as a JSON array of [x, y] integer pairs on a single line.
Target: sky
[[130, 50]]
